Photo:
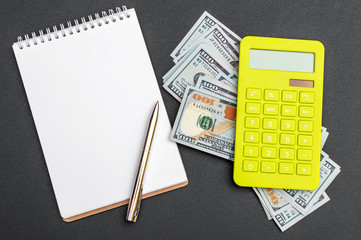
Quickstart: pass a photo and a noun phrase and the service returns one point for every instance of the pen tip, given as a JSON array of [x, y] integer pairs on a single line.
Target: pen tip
[[156, 107]]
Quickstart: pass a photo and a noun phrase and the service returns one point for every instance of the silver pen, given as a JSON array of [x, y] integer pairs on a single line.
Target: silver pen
[[134, 201]]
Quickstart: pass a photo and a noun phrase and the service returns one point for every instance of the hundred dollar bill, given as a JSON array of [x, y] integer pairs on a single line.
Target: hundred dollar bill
[[227, 80], [203, 24], [269, 217], [217, 87], [203, 61], [324, 136], [173, 70], [289, 216], [303, 200], [206, 122], [219, 42], [221, 77], [267, 212], [230, 79], [232, 58], [273, 200], [234, 76]]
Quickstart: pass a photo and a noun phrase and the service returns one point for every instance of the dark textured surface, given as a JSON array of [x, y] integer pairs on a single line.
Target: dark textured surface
[[211, 206]]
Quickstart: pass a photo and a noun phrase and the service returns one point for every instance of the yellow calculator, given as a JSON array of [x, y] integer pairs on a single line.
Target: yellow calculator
[[279, 113]]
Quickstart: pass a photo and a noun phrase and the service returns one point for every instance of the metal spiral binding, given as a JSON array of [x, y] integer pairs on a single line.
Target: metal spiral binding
[[77, 27]]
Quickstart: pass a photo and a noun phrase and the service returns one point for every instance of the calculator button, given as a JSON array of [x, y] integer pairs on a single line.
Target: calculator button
[[285, 168], [289, 96], [289, 110], [305, 126], [253, 108], [304, 154], [254, 93], [304, 169], [251, 122], [250, 151], [270, 109], [250, 166], [288, 124], [287, 139], [251, 137], [305, 140], [268, 167], [271, 95], [269, 152], [307, 97], [270, 138], [287, 153], [270, 123], [306, 112]]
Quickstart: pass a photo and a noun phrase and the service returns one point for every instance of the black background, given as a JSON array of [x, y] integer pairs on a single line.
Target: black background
[[211, 206]]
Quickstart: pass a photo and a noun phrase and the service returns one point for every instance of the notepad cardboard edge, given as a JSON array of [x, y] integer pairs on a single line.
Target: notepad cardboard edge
[[122, 203]]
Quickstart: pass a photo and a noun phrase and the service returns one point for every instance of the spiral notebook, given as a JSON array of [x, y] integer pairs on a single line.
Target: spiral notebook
[[91, 89]]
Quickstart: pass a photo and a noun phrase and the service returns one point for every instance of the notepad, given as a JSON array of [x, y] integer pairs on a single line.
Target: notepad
[[91, 89]]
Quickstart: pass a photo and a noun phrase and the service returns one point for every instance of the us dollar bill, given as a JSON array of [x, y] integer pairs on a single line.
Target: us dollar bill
[[274, 201], [234, 76], [203, 61], [267, 212], [181, 61], [284, 214], [269, 217], [217, 39], [172, 70], [218, 43], [217, 87], [324, 136], [303, 200], [203, 24], [228, 80], [206, 122], [289, 215]]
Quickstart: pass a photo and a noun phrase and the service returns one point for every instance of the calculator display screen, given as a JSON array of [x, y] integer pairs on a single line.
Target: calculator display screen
[[281, 60]]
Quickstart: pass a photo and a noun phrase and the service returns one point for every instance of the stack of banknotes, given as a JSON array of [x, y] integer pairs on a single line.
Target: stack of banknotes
[[287, 207], [209, 49], [204, 79], [205, 75]]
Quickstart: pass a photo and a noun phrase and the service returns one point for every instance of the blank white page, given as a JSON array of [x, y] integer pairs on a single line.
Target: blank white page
[[91, 95]]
